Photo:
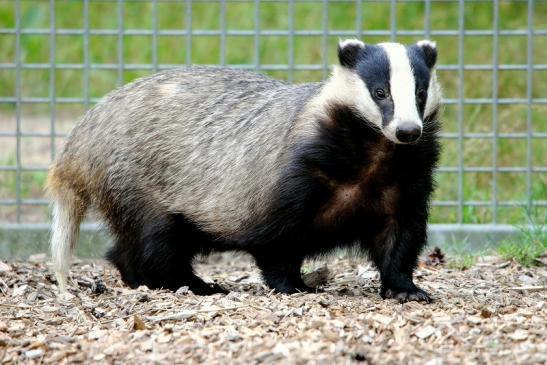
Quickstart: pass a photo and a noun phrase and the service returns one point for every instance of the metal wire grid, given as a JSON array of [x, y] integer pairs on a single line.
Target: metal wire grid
[[257, 33]]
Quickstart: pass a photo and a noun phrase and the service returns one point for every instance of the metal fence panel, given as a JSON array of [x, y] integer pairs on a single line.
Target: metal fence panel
[[479, 182]]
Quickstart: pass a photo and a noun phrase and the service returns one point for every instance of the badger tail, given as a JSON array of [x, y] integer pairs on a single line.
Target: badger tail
[[68, 211]]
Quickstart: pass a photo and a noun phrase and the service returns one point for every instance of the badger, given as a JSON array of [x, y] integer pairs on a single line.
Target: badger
[[193, 160]]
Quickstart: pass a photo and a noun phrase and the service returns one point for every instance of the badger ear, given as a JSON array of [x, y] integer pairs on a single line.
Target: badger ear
[[349, 51], [429, 48]]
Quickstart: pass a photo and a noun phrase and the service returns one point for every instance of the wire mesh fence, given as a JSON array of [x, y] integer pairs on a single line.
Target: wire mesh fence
[[59, 57]]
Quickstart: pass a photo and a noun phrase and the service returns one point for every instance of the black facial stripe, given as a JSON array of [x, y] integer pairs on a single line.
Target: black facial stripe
[[374, 70], [421, 73]]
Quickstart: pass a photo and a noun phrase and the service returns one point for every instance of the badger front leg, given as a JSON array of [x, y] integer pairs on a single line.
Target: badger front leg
[[395, 252]]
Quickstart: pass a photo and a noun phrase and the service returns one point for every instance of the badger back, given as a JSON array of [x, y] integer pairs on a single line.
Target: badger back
[[207, 143]]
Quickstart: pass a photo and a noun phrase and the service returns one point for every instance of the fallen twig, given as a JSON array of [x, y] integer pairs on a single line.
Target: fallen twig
[[529, 288], [190, 313]]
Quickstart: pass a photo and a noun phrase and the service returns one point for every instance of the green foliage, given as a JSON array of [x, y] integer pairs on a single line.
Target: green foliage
[[531, 242], [32, 182], [459, 255], [461, 262], [524, 248]]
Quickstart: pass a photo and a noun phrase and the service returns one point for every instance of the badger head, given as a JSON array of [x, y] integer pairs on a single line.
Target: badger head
[[391, 86]]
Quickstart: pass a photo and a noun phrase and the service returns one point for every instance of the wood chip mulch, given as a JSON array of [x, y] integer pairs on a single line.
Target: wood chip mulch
[[492, 313]]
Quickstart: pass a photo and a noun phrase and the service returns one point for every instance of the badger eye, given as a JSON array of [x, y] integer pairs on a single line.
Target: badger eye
[[380, 93], [421, 94]]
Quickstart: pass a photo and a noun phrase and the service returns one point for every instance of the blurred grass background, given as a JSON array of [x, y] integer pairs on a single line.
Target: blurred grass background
[[103, 49]]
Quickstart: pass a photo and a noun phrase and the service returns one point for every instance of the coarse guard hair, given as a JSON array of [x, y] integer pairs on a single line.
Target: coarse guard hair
[[199, 159]]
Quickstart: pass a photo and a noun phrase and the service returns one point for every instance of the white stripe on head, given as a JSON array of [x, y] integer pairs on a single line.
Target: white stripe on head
[[345, 87], [402, 87]]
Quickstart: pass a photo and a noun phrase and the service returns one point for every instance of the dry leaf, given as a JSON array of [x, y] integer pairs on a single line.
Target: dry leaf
[[138, 323], [486, 313], [435, 257]]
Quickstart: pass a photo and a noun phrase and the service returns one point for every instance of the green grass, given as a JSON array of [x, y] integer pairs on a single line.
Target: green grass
[[32, 182], [531, 242], [308, 50], [524, 248], [460, 256], [32, 187], [461, 261]]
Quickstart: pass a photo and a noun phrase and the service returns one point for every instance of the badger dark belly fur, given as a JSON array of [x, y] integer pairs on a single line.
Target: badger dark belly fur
[[348, 184]]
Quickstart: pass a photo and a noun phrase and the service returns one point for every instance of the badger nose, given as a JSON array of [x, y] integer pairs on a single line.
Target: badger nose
[[408, 132]]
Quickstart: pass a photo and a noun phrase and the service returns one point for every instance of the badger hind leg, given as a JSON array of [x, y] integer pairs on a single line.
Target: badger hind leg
[[281, 270], [68, 210], [159, 254]]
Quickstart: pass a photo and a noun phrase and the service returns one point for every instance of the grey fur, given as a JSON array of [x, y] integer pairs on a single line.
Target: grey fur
[[205, 142], [215, 145]]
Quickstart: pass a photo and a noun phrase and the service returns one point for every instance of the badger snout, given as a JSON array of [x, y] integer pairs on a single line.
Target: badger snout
[[407, 132]]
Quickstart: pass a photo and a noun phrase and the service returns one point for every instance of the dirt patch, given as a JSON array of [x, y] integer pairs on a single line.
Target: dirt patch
[[493, 313]]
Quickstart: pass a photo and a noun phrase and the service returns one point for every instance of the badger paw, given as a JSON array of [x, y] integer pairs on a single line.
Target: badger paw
[[208, 289], [309, 289], [297, 289], [407, 295]]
